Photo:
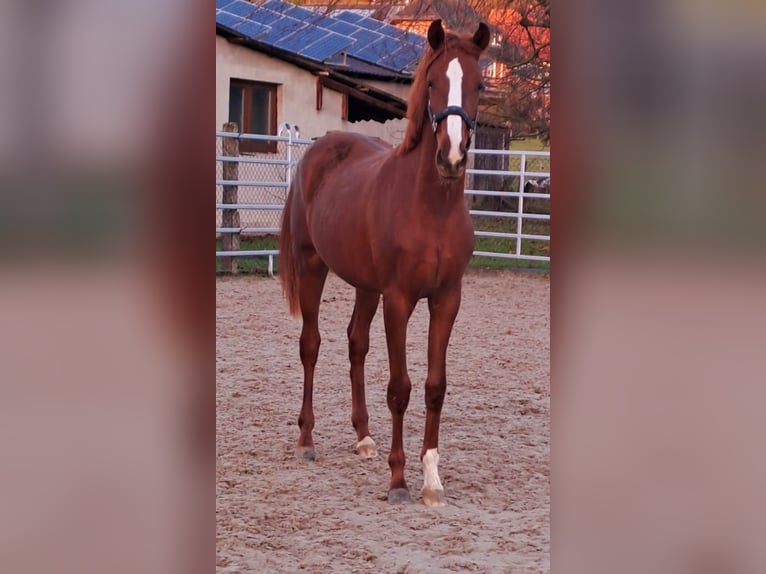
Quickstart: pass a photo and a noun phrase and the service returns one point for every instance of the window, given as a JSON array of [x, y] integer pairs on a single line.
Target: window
[[253, 106]]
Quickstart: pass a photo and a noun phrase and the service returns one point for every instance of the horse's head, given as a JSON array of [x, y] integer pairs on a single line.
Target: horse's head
[[454, 82]]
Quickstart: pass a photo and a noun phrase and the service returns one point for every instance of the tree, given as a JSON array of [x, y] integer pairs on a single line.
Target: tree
[[523, 55], [519, 75]]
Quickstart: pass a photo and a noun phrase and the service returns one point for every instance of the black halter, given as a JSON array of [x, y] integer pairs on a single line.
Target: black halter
[[452, 111]]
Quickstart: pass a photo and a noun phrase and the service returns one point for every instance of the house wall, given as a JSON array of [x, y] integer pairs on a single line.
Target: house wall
[[296, 94]]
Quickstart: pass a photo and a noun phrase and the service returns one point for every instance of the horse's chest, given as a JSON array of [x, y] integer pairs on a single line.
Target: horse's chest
[[438, 264]]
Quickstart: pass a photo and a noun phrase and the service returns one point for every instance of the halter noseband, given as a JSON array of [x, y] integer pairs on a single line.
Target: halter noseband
[[452, 111]]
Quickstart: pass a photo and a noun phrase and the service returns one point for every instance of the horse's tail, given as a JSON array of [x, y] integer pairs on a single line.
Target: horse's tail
[[288, 273]]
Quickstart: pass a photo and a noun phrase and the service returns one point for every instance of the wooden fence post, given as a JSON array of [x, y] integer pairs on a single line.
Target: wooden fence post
[[230, 217]]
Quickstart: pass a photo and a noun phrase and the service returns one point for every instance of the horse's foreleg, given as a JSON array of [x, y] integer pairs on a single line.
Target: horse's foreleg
[[397, 309], [443, 309], [311, 283], [358, 344]]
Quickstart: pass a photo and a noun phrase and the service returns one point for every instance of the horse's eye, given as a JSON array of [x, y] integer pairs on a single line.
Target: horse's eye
[[430, 84]]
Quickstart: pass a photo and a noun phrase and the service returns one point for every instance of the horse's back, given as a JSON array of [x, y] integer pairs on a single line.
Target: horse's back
[[336, 177], [338, 159]]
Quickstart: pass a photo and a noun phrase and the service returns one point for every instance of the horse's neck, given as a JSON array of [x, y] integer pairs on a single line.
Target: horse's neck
[[432, 189]]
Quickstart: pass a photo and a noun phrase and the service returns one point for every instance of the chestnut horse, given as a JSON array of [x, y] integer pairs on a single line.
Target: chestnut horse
[[390, 221]]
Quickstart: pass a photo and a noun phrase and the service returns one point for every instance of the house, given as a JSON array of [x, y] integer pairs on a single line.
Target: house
[[277, 62]]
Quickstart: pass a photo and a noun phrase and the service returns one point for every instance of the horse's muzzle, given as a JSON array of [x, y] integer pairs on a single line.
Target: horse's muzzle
[[449, 170]]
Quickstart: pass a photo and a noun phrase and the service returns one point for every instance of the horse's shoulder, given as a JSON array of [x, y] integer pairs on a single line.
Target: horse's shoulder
[[336, 146]]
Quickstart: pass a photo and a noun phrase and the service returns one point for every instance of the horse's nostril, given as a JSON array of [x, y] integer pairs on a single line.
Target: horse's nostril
[[460, 163]]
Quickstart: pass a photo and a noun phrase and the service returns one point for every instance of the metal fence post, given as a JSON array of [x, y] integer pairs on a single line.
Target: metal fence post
[[522, 184], [230, 217], [289, 167], [293, 131]]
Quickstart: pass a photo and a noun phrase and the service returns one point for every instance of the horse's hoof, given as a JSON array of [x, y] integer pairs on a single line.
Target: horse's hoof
[[433, 497], [399, 496], [366, 448], [305, 452]]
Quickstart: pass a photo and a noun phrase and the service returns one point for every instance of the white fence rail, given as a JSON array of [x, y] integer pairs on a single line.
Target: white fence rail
[[509, 179], [507, 201]]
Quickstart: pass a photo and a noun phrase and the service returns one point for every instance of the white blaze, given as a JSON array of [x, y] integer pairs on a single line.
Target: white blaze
[[455, 98], [431, 470]]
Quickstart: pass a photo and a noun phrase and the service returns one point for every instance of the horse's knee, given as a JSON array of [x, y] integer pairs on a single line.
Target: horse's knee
[[435, 390], [398, 395]]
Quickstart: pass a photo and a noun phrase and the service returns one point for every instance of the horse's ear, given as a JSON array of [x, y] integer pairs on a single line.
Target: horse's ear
[[481, 37], [436, 34]]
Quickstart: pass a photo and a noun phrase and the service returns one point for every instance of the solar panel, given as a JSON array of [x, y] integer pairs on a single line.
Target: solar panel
[[281, 7], [265, 16], [321, 21], [390, 30], [342, 27], [320, 37], [300, 13], [326, 47], [402, 59], [347, 16], [282, 28], [389, 45], [370, 24], [409, 48], [228, 20], [378, 51], [415, 39], [252, 29], [297, 40], [365, 37], [241, 8], [384, 28]]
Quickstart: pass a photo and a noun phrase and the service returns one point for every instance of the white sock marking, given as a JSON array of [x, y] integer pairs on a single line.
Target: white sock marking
[[431, 471], [455, 98], [365, 441]]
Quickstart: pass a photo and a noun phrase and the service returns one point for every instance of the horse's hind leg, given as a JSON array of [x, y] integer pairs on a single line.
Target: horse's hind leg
[[397, 309], [358, 344], [311, 283]]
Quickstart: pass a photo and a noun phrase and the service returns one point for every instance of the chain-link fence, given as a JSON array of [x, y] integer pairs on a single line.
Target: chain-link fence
[[261, 178]]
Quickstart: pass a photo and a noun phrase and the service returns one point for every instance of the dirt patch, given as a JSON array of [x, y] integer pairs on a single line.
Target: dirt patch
[[279, 514]]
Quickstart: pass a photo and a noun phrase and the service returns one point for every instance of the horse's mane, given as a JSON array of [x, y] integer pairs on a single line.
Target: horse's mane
[[416, 106]]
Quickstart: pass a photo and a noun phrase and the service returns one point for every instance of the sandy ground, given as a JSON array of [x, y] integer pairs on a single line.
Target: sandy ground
[[279, 514]]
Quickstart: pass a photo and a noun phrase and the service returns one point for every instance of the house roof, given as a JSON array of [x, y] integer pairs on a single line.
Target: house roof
[[344, 39], [343, 46]]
